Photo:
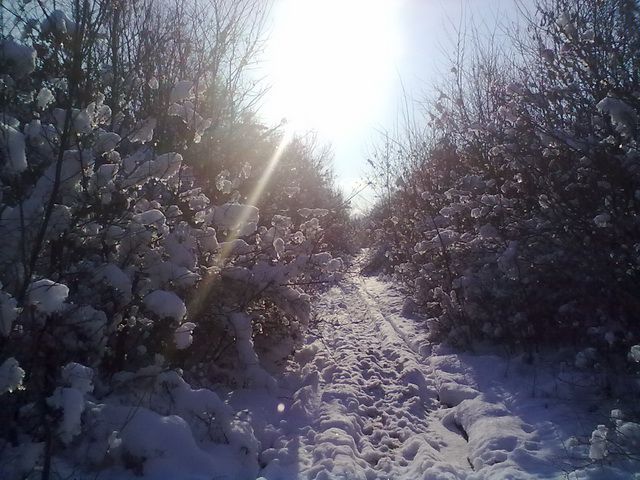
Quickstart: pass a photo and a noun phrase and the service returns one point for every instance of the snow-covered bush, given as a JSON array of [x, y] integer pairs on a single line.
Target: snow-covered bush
[[513, 217], [621, 440], [121, 279]]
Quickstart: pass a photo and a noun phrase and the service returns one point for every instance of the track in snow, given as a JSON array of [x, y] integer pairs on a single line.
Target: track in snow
[[368, 407], [369, 397]]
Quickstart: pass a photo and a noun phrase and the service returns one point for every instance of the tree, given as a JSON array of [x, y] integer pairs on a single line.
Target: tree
[[517, 210], [117, 272]]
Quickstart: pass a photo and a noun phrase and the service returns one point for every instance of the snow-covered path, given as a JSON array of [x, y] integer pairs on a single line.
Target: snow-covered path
[[373, 398], [370, 401]]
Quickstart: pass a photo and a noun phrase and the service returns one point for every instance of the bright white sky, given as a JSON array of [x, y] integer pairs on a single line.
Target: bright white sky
[[340, 67]]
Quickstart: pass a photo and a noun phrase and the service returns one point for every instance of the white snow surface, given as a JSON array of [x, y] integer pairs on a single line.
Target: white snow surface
[[236, 216], [11, 376], [183, 336], [18, 59], [165, 304], [143, 132], [44, 98], [116, 278], [47, 296], [71, 403], [367, 396]]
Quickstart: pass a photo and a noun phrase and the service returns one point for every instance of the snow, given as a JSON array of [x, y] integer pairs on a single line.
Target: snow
[[291, 191], [150, 217], [161, 442], [47, 296], [12, 147], [255, 374], [445, 238], [164, 166], [488, 231], [20, 60], [106, 173], [313, 212], [334, 265], [97, 113], [143, 132], [623, 116], [183, 336], [44, 97], [8, 312], [369, 397], [223, 183], [78, 376], [629, 433], [453, 394], [11, 376], [39, 135], [281, 222], [58, 24], [602, 220], [165, 304], [181, 91], [26, 456], [176, 432], [278, 246], [116, 278], [235, 247], [187, 111], [94, 326], [598, 441], [82, 120], [236, 216], [91, 322], [366, 396], [421, 247], [165, 447], [71, 402], [106, 141]]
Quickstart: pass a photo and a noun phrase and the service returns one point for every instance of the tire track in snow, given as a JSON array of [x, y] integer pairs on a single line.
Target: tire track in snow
[[473, 394], [370, 403], [443, 423]]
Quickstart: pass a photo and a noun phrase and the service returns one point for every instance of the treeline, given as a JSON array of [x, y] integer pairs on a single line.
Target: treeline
[[512, 212]]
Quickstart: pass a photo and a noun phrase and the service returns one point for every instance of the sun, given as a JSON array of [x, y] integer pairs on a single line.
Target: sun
[[330, 63]]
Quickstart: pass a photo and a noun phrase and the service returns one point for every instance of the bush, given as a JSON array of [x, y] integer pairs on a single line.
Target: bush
[[121, 278], [513, 219]]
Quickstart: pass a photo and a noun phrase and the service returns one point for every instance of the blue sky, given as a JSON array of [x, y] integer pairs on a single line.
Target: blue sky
[[342, 67]]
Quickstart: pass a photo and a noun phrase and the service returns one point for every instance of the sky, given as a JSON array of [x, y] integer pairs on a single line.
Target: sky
[[343, 68]]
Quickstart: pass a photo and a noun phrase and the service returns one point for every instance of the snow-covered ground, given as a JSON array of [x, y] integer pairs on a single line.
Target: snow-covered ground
[[368, 397]]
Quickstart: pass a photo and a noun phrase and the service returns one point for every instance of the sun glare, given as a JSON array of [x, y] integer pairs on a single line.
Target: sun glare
[[330, 62], [226, 251]]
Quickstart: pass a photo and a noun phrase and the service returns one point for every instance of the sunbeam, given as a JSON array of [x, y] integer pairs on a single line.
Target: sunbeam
[[226, 248]]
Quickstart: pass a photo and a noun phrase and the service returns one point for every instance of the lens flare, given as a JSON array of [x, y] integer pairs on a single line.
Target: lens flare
[[198, 300]]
